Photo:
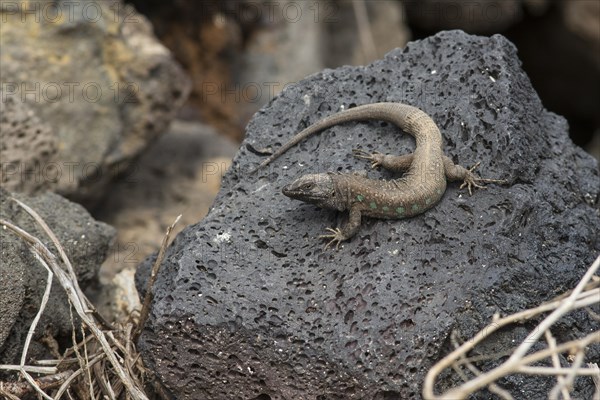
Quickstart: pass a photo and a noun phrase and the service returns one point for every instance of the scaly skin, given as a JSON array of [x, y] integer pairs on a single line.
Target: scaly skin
[[420, 188]]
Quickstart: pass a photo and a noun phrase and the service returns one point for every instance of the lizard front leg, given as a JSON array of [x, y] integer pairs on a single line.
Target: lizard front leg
[[346, 232], [388, 161]]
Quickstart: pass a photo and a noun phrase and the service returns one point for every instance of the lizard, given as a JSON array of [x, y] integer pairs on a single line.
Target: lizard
[[422, 185]]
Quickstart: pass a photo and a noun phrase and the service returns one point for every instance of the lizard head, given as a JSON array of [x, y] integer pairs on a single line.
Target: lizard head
[[317, 189]]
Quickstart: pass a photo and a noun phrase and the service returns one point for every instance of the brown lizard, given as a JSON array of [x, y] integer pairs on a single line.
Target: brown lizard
[[419, 189]]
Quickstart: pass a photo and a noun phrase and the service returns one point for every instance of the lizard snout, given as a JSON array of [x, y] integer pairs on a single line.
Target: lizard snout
[[287, 190]]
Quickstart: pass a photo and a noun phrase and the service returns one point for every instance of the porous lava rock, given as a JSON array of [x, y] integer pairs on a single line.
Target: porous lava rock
[[248, 304]]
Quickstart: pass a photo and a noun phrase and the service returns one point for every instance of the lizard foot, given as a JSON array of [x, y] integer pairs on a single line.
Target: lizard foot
[[376, 157], [335, 236], [472, 180]]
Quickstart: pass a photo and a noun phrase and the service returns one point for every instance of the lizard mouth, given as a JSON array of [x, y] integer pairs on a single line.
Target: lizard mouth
[[288, 190], [299, 193], [293, 192]]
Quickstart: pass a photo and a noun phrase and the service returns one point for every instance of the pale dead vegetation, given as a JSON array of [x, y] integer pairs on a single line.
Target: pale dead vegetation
[[103, 362], [521, 360]]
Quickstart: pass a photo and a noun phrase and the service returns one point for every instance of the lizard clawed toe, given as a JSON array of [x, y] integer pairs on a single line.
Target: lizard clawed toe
[[376, 157], [335, 236], [472, 180], [474, 167], [360, 153]]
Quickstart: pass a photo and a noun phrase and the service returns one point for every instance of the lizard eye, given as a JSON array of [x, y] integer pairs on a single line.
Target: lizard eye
[[309, 185]]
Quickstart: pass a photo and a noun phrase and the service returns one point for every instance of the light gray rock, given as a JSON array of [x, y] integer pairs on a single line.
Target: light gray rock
[[94, 73], [28, 149]]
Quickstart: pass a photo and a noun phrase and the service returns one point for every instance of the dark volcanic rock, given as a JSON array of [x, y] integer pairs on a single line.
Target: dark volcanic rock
[[249, 304], [23, 279]]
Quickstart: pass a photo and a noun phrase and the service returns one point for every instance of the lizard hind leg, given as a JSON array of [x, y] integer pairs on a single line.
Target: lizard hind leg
[[470, 179]]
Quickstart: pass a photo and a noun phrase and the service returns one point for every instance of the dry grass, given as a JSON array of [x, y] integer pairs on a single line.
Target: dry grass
[[104, 363], [521, 360]]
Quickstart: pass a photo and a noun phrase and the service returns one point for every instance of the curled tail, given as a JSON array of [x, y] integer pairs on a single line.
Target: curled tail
[[402, 115]]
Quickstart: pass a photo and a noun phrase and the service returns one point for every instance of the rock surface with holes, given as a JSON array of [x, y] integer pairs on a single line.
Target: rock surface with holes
[[27, 148], [248, 305], [101, 82]]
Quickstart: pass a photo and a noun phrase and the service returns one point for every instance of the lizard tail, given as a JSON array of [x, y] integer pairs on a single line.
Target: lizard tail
[[401, 115]]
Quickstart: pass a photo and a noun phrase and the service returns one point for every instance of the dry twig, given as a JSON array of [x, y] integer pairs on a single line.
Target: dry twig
[[107, 365], [585, 294], [153, 275]]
